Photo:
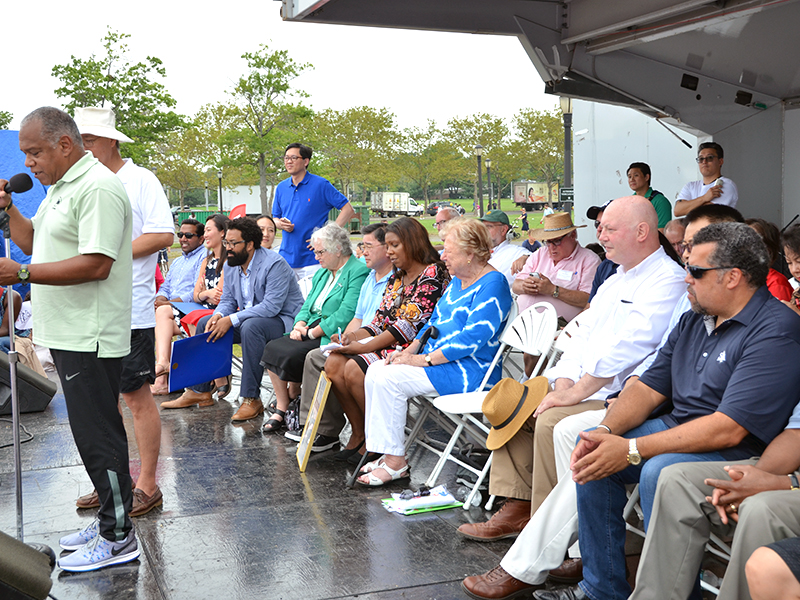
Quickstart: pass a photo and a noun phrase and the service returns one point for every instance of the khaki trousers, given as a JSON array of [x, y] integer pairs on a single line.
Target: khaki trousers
[[525, 467], [331, 421]]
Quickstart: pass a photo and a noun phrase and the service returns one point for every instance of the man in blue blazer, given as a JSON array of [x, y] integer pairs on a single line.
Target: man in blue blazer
[[260, 298]]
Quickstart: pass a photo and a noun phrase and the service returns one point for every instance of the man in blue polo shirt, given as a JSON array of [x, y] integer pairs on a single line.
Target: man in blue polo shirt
[[719, 368], [301, 205]]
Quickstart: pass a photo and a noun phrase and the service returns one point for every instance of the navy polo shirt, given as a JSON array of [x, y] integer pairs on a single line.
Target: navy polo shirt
[[747, 369], [604, 270], [306, 205]]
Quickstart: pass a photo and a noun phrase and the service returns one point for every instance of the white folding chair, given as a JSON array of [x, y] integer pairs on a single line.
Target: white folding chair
[[532, 331], [563, 341], [305, 285]]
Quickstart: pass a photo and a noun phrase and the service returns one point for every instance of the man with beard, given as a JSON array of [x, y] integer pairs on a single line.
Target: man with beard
[[260, 298]]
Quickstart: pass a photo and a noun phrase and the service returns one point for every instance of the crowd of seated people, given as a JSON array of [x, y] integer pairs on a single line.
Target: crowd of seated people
[[641, 331]]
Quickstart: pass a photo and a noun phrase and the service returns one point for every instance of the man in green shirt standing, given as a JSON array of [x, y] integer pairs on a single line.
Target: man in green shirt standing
[[80, 271], [639, 182]]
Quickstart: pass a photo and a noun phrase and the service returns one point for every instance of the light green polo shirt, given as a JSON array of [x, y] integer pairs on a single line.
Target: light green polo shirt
[[86, 212]]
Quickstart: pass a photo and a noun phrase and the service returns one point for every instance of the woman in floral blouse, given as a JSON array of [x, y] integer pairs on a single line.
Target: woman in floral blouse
[[418, 281]]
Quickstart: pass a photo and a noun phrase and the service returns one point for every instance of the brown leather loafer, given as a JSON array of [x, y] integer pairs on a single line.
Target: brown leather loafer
[[142, 503], [88, 501], [497, 584], [570, 571], [250, 409], [505, 523], [189, 398], [93, 500]]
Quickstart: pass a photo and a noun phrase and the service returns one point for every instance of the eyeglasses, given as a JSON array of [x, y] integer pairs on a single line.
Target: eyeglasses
[[371, 246], [228, 244], [319, 253], [682, 247], [705, 159], [597, 224], [288, 158], [557, 241], [89, 142], [188, 236], [438, 224], [699, 272]]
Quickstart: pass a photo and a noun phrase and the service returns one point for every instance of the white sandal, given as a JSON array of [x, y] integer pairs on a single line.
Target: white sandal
[[374, 481], [371, 466]]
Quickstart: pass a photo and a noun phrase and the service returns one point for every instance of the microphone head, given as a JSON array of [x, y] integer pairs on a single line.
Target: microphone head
[[21, 182]]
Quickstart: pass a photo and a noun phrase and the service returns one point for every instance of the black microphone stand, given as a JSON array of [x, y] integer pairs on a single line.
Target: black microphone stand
[[12, 368]]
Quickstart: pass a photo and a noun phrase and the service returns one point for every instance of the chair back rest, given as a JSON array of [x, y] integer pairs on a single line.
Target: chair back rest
[[533, 330], [563, 341], [305, 285]]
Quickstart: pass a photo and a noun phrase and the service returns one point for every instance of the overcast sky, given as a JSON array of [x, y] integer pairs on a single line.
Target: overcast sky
[[415, 74]]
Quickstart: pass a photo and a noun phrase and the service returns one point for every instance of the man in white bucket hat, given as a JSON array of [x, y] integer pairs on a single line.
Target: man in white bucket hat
[[153, 229]]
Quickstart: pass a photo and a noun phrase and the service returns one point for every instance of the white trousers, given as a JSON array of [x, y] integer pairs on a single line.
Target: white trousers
[[387, 389], [553, 529]]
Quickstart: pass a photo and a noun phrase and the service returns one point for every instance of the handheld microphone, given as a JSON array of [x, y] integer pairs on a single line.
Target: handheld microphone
[[21, 182]]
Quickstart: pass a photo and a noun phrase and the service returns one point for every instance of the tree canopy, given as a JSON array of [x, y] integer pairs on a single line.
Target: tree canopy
[[134, 91]]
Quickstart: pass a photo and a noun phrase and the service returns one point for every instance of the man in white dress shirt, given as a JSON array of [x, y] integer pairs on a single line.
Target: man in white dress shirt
[[713, 188], [624, 324]]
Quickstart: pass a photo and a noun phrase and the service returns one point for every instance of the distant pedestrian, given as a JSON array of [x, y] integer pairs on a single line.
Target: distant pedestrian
[[525, 226]]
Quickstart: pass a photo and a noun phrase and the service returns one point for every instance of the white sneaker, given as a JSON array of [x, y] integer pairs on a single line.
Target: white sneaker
[[99, 553], [73, 541]]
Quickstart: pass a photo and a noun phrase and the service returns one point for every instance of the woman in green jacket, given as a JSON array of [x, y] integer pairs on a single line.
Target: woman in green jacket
[[329, 307]]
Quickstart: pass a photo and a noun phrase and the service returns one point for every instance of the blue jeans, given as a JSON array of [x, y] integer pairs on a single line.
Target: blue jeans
[[601, 528]]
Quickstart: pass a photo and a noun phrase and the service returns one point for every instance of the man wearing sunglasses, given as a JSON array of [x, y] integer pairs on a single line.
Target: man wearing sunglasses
[[713, 187], [729, 370], [178, 286]]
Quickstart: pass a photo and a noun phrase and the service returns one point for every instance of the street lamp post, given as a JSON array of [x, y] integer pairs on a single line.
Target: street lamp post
[[219, 200], [479, 153], [489, 180], [566, 109], [206, 196]]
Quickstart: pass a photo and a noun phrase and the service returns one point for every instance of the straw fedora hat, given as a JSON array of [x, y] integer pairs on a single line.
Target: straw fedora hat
[[555, 226], [101, 122], [509, 404]]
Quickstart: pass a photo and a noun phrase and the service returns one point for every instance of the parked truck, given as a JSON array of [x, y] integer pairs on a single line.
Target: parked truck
[[394, 204], [532, 195]]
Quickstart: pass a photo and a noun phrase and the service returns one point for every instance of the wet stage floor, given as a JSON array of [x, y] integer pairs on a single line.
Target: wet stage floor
[[240, 521]]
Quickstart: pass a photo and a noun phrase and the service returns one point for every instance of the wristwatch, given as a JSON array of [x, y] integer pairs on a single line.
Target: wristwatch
[[428, 360], [23, 274], [634, 457], [555, 292]]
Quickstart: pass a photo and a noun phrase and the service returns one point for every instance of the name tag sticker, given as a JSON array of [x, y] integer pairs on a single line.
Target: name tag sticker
[[564, 275]]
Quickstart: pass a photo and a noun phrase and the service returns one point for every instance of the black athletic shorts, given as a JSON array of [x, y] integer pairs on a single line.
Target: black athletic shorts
[[138, 368]]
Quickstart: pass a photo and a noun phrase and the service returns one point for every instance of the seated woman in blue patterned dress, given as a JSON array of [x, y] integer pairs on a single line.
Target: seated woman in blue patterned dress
[[469, 318]]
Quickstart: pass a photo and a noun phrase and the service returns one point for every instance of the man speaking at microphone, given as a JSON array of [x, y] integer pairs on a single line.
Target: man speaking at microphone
[[80, 272]]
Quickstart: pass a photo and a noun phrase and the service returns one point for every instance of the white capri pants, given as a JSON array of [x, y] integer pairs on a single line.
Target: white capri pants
[[387, 389]]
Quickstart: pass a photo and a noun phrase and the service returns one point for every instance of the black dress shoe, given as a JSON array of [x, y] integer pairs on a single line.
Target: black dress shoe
[[348, 452], [323, 442], [46, 550], [567, 593]]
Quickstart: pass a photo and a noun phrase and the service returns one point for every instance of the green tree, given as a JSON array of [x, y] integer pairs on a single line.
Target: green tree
[[134, 91], [541, 143], [5, 119], [263, 116], [181, 160], [356, 145]]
